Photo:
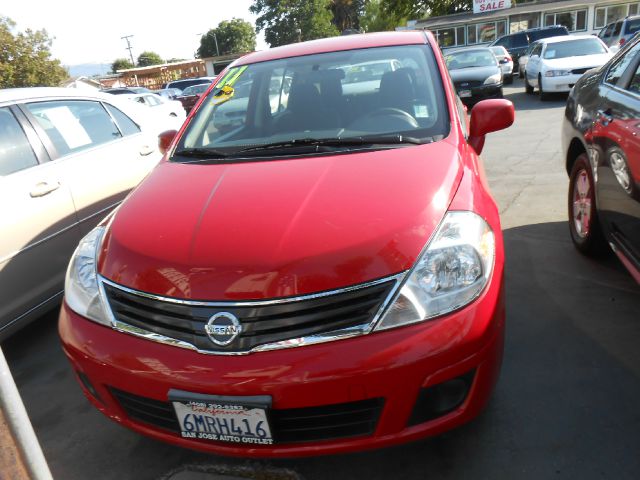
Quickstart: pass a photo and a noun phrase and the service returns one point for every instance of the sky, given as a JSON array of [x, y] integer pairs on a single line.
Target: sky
[[90, 32]]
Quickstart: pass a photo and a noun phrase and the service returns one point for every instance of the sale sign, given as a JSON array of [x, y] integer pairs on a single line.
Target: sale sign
[[482, 6]]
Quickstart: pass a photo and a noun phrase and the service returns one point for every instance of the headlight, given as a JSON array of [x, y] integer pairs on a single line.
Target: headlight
[[449, 274], [81, 290], [557, 73], [493, 79]]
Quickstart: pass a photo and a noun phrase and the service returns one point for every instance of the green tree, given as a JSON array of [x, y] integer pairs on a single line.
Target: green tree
[[347, 13], [146, 59], [25, 58], [414, 9], [232, 36], [289, 21], [121, 64], [376, 19]]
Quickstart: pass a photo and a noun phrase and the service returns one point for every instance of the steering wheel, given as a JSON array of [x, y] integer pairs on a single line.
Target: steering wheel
[[397, 113]]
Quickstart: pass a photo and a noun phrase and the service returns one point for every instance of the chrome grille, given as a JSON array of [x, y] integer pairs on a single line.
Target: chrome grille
[[263, 323]]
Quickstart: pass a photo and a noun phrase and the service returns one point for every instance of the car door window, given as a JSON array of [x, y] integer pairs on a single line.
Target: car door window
[[606, 33], [616, 29], [634, 84], [154, 100], [618, 68], [125, 124], [519, 40], [536, 50], [15, 150], [74, 125], [504, 41]]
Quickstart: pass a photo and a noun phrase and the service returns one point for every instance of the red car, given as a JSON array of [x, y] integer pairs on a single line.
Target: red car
[[325, 276], [190, 95]]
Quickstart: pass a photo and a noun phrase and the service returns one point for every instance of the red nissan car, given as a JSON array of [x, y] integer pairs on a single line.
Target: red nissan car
[[316, 266]]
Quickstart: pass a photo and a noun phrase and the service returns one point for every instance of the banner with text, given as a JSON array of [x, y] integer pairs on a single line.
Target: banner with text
[[482, 6]]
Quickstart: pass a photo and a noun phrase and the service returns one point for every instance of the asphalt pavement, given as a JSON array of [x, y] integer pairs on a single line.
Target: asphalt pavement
[[566, 405]]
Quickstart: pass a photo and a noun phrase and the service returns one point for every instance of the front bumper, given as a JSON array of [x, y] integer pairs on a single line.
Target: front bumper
[[559, 84], [507, 69], [394, 367], [482, 92]]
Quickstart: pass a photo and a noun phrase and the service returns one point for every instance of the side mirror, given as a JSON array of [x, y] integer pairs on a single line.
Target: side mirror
[[489, 116], [165, 139]]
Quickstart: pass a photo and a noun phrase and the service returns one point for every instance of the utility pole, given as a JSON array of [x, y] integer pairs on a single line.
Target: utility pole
[[215, 39], [129, 47]]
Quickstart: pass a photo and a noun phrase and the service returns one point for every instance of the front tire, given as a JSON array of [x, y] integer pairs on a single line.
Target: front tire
[[543, 95], [584, 224], [527, 88]]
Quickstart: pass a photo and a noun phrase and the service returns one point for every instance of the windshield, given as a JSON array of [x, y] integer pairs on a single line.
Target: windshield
[[574, 48], [196, 89], [471, 58], [632, 26], [392, 94]]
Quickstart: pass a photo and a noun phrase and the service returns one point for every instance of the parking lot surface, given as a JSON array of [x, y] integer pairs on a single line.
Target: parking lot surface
[[566, 405]]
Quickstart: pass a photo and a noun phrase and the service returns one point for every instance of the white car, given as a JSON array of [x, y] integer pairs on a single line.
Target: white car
[[505, 61], [171, 113], [524, 58], [555, 64], [67, 158]]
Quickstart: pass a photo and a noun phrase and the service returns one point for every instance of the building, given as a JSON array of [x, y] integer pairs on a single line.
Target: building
[[154, 76], [579, 16], [215, 65]]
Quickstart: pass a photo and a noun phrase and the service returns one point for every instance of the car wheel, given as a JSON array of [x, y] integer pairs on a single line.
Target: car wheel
[[520, 73], [584, 224], [508, 80], [527, 88], [543, 95]]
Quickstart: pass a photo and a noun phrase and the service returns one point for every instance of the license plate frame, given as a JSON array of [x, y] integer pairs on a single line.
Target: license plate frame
[[230, 419]]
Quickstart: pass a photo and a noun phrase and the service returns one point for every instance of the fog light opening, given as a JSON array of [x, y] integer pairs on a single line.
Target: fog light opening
[[438, 400], [88, 386]]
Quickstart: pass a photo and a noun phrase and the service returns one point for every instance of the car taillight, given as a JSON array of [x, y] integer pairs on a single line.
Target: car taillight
[[509, 59], [621, 42]]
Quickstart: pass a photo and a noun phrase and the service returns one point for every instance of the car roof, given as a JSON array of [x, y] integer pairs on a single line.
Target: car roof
[[564, 38], [33, 93], [335, 44], [467, 49]]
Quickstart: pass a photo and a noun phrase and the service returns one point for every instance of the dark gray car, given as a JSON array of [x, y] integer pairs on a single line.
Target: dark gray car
[[476, 74]]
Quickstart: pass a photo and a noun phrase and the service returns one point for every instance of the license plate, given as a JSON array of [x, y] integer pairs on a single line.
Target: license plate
[[223, 419], [464, 93]]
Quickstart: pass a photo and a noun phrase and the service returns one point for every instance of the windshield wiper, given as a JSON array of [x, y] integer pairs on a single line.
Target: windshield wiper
[[202, 154], [337, 142]]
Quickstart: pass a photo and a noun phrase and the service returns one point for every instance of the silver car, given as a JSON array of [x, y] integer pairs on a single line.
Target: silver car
[[616, 34], [505, 61], [66, 160]]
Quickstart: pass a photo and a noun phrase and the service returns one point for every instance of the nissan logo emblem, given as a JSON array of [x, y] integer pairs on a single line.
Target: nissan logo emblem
[[223, 328]]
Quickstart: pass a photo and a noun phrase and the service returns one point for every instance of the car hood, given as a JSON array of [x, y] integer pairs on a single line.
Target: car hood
[[276, 228], [473, 73], [582, 61]]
